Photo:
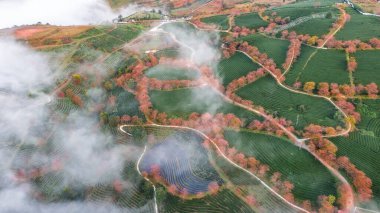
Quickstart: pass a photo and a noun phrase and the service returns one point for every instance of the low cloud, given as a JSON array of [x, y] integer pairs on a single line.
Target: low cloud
[[24, 73], [68, 12], [202, 44], [87, 156]]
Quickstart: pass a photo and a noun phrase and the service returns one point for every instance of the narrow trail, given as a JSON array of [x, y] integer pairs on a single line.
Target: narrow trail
[[221, 154], [138, 170], [290, 64], [331, 35]]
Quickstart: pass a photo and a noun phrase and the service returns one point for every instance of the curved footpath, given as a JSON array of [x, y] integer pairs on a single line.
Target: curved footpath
[[138, 170]]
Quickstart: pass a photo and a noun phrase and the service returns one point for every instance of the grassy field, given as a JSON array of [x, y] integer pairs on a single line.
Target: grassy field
[[298, 11], [126, 103], [302, 8], [220, 20], [187, 166], [119, 3], [112, 38], [359, 27], [250, 20], [234, 67], [275, 99], [317, 27], [182, 102], [170, 53], [362, 147], [55, 187], [247, 184], [276, 49], [319, 66], [368, 67], [363, 151], [225, 201], [166, 72], [310, 177]]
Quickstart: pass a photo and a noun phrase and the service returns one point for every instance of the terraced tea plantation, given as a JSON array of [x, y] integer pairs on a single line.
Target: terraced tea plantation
[[234, 67], [193, 106], [319, 66], [301, 109], [274, 48]]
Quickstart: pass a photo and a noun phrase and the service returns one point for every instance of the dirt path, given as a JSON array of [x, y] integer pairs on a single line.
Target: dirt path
[[138, 170], [331, 35], [290, 64], [221, 154]]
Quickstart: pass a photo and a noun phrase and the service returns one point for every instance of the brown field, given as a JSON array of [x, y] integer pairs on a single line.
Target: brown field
[[39, 36]]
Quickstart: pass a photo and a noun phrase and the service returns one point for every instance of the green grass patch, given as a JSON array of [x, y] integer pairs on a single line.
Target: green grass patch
[[126, 103], [183, 102], [225, 201], [368, 67], [170, 53], [126, 32], [235, 67], [314, 27], [363, 151], [299, 10], [362, 147], [359, 27], [319, 66], [250, 20], [276, 49], [113, 38], [220, 20], [301, 109], [167, 72], [309, 176]]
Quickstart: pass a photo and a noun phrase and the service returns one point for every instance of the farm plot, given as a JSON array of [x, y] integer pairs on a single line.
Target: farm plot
[[359, 27], [183, 102], [301, 109], [368, 67], [276, 49], [250, 20], [225, 202], [109, 39], [363, 151], [362, 147], [167, 72], [369, 110], [64, 105], [303, 8], [310, 178], [220, 20], [248, 185], [183, 162], [319, 66], [57, 184], [314, 27], [234, 67], [126, 104], [169, 52], [184, 26]]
